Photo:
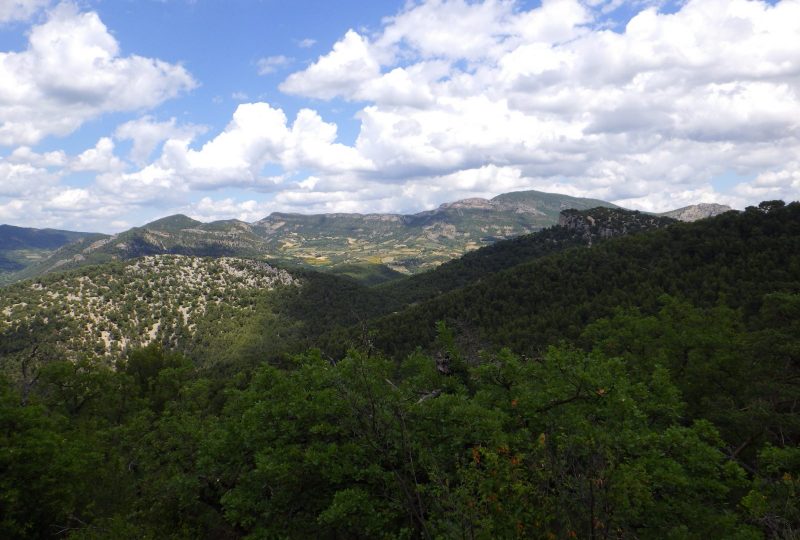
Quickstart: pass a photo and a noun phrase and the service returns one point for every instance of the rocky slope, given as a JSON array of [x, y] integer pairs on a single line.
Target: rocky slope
[[604, 223], [697, 211], [106, 310], [378, 245], [402, 243]]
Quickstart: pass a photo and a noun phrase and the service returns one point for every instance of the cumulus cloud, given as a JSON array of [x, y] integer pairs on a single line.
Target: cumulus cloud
[[257, 136], [351, 63], [783, 183], [99, 159], [661, 106], [71, 72], [454, 98], [54, 206], [147, 133], [20, 180], [209, 209], [20, 10], [26, 155]]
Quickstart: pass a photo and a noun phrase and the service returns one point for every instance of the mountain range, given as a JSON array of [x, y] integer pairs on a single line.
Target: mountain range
[[21, 247], [370, 247], [201, 305], [630, 357]]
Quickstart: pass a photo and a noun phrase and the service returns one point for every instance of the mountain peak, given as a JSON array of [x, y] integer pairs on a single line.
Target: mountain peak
[[542, 203], [173, 223]]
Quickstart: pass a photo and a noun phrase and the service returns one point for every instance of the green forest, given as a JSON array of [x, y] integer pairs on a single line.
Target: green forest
[[619, 377]]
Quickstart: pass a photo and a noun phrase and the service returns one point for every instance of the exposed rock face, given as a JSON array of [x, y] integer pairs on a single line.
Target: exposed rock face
[[602, 223], [697, 211], [475, 203]]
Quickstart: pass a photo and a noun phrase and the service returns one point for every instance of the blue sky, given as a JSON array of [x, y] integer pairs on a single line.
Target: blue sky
[[113, 113], [221, 41]]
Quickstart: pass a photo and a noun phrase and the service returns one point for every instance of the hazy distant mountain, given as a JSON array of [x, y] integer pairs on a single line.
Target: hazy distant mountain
[[20, 246], [176, 235], [180, 301], [415, 242], [697, 211], [371, 242], [370, 247]]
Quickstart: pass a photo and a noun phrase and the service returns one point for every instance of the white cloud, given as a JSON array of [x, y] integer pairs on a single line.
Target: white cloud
[[338, 73], [258, 135], [783, 183], [53, 206], [147, 133], [311, 145], [21, 179], [645, 115], [254, 137], [208, 209], [20, 10], [306, 43], [71, 72], [71, 200], [99, 159], [25, 155], [459, 98], [151, 185], [271, 64], [478, 31]]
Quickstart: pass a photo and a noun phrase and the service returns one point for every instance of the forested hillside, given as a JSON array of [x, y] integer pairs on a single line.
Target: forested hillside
[[21, 247], [214, 311], [108, 310], [375, 247], [734, 258], [575, 228], [618, 376]]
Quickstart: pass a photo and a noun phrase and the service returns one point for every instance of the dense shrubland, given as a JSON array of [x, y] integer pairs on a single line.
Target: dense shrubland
[[647, 387]]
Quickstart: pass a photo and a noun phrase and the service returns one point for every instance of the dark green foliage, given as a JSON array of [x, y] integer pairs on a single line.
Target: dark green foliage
[[569, 444], [668, 407], [367, 274], [576, 228], [735, 257]]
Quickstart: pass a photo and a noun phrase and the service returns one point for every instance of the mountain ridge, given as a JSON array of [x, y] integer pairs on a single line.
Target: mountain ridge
[[176, 299], [376, 245], [403, 243]]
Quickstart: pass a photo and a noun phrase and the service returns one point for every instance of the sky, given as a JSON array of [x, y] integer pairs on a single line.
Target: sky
[[117, 112]]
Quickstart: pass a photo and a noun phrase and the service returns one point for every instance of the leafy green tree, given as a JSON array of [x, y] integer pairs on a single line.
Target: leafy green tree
[[45, 473]]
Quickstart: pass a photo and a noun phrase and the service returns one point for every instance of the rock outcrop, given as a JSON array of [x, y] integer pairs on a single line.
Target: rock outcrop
[[697, 211], [602, 223]]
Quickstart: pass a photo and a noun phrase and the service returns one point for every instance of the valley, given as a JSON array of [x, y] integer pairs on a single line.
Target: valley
[[373, 247], [400, 270], [203, 391]]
